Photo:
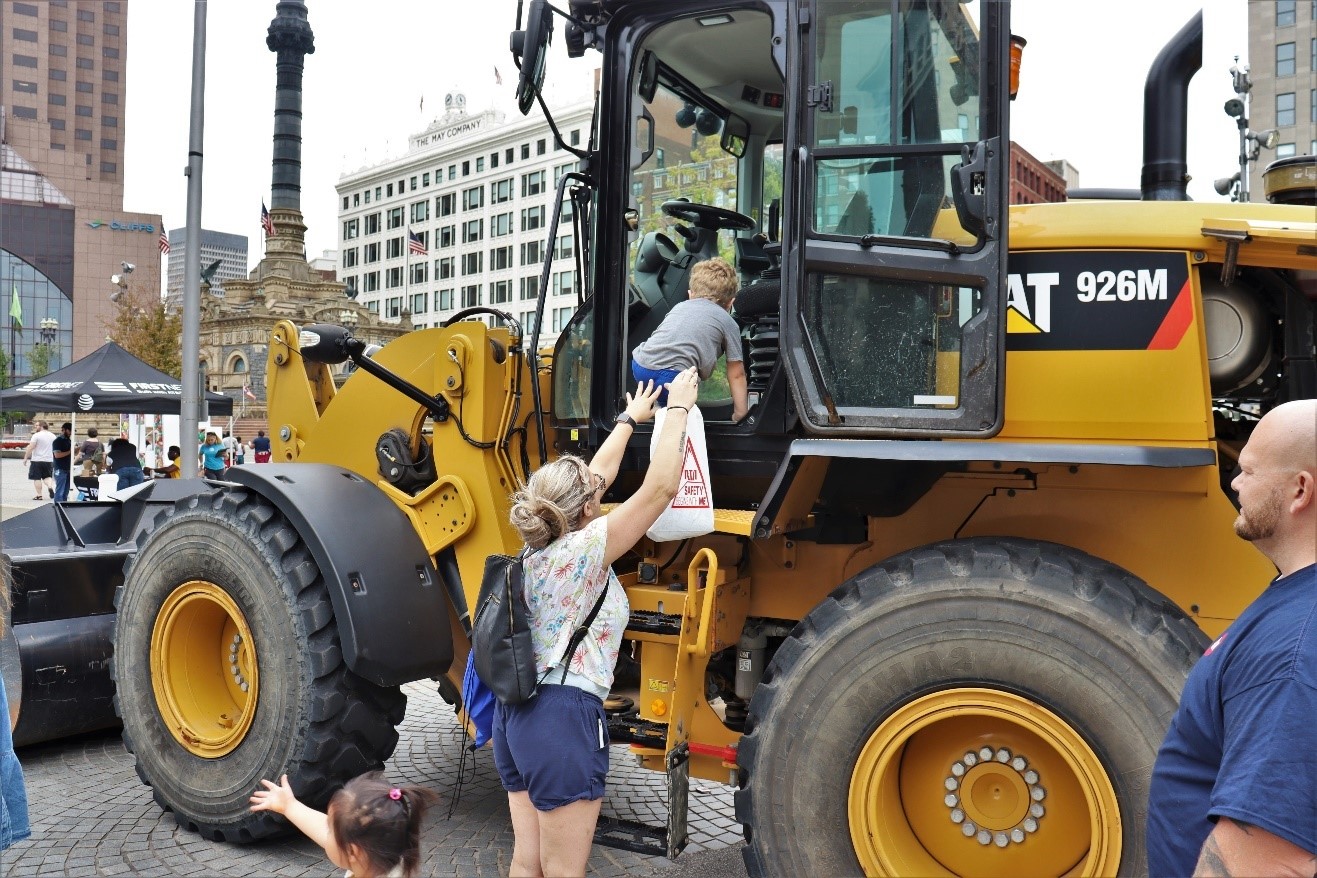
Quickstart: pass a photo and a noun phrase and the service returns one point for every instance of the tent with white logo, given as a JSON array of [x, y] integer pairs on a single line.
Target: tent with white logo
[[110, 380]]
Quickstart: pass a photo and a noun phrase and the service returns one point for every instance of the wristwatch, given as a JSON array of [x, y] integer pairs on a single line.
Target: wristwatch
[[624, 418]]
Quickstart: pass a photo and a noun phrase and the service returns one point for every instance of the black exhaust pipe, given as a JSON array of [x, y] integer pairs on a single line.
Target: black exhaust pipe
[[1166, 115]]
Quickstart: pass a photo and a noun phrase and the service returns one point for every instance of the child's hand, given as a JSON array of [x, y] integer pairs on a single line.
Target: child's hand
[[641, 406], [273, 798]]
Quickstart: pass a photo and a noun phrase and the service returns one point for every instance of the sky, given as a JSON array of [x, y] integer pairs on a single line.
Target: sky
[[379, 76]]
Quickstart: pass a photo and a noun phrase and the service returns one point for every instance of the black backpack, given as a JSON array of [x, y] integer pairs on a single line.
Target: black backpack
[[500, 635]]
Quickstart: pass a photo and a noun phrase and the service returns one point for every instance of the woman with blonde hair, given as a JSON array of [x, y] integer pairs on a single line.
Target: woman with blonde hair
[[552, 751]]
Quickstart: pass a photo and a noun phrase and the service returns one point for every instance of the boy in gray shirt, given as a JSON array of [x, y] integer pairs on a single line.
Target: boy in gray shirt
[[695, 333]]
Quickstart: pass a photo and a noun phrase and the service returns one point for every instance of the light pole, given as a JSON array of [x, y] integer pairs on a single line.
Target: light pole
[[49, 335], [1250, 142]]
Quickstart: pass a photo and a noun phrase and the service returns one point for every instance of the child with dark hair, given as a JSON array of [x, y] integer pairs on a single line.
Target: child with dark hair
[[372, 828]]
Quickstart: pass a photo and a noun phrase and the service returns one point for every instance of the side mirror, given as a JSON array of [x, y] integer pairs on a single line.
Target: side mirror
[[647, 85], [736, 133], [531, 48]]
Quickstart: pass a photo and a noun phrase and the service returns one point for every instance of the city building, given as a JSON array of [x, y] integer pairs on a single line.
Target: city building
[[228, 249], [1282, 56], [63, 230], [461, 220], [326, 265], [1035, 182]]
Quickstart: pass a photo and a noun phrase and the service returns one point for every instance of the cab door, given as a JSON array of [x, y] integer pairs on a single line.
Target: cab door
[[898, 173]]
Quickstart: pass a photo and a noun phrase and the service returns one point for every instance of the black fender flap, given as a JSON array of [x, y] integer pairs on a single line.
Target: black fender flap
[[388, 600]]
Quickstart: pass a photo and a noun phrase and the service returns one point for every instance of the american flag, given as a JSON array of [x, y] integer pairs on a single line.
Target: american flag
[[247, 391], [266, 222], [164, 240], [415, 245], [498, 80]]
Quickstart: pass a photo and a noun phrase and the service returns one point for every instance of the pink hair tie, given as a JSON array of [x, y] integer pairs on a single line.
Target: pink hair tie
[[395, 794]]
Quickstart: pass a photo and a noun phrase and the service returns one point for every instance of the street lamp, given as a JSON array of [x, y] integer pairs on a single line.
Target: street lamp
[[1251, 143], [49, 333], [348, 317]]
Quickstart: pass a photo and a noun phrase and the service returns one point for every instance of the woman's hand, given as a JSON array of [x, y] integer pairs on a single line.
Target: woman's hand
[[273, 798], [641, 406], [684, 388]]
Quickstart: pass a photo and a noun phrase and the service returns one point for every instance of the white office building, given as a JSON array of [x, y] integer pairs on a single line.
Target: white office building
[[477, 190], [227, 249]]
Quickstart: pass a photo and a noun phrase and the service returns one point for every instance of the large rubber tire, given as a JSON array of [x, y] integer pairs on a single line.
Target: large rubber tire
[[1069, 643], [310, 718]]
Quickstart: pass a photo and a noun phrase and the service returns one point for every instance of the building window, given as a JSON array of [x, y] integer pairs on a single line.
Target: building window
[[85, 40], [447, 236], [370, 282], [532, 218], [109, 143], [88, 15], [393, 248], [420, 303], [356, 199], [395, 217], [1285, 109], [1284, 150], [345, 202], [445, 268], [473, 263], [59, 51], [466, 168], [351, 228], [421, 211], [564, 247], [350, 257], [539, 146], [372, 223], [57, 125], [350, 286], [371, 253], [55, 100], [530, 288], [561, 317], [27, 36], [500, 191], [30, 113], [393, 307], [474, 198], [452, 172], [500, 225], [480, 164], [1312, 52], [1312, 95], [1284, 59], [500, 258], [26, 60], [82, 110], [532, 252], [420, 272], [377, 193], [25, 87], [109, 52], [528, 322], [110, 75], [388, 190], [111, 30], [507, 156], [571, 166], [84, 87], [493, 160], [445, 205], [473, 231], [411, 185], [576, 137], [525, 151], [532, 184], [500, 292], [444, 300], [1284, 12], [562, 283], [25, 9], [393, 278], [57, 75], [471, 296]]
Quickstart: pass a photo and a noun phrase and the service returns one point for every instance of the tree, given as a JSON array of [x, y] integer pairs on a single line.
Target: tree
[[38, 359], [145, 327], [4, 369]]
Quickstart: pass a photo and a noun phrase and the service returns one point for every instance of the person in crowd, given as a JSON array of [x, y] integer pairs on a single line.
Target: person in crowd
[[40, 458], [239, 451], [174, 468], [91, 451], [1234, 787], [372, 827], [551, 752], [212, 457], [261, 447], [696, 333], [227, 441], [14, 824], [122, 460], [61, 451]]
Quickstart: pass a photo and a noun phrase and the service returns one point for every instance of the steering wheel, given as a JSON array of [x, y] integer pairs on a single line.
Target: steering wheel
[[706, 216]]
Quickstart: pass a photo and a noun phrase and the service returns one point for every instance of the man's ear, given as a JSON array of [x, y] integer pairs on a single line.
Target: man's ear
[[1305, 492]]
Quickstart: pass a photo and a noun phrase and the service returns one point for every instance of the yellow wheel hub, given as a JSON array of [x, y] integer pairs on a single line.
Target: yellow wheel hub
[[977, 782], [203, 669]]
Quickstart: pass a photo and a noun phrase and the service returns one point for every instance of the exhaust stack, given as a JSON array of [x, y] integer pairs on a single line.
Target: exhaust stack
[[1166, 115]]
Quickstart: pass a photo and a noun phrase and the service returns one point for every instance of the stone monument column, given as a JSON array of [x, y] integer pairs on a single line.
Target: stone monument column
[[291, 39]]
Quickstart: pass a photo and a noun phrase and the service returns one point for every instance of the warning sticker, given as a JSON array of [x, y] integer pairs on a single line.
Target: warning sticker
[[694, 490]]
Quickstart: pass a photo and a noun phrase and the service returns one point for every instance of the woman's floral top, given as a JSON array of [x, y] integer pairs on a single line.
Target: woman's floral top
[[563, 580]]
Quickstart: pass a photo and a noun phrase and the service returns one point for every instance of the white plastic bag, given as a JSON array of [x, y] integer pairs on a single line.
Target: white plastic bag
[[690, 514]]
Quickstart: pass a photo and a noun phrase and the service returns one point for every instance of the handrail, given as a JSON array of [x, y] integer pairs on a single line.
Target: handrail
[[700, 648]]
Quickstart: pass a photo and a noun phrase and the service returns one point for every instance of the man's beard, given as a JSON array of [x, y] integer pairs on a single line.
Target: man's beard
[[1260, 520]]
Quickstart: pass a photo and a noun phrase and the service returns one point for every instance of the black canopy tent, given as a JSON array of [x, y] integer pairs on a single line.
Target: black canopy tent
[[108, 379]]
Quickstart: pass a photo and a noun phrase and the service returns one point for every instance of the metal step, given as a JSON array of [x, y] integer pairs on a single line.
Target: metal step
[[656, 841], [633, 730], [651, 622]]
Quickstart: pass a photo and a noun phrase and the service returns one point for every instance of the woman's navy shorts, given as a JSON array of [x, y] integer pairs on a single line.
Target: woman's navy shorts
[[554, 747]]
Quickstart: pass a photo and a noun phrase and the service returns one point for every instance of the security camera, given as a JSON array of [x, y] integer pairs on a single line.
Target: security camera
[[1234, 107], [127, 267]]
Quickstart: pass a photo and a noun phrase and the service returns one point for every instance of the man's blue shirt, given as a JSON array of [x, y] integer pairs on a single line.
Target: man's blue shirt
[[1243, 743]]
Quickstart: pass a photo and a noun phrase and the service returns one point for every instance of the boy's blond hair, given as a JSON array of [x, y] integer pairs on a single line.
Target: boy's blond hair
[[714, 279]]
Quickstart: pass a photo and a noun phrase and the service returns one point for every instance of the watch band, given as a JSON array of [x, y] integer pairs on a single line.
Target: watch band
[[624, 418]]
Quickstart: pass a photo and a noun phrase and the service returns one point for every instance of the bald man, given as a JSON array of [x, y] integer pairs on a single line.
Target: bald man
[[1234, 788]]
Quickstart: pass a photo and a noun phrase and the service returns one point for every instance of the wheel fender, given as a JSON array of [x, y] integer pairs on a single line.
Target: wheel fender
[[388, 601]]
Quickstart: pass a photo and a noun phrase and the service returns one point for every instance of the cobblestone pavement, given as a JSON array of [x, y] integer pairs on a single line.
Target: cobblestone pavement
[[92, 816]]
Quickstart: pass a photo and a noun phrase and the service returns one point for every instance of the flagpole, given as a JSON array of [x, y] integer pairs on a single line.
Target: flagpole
[[193, 391], [407, 269]]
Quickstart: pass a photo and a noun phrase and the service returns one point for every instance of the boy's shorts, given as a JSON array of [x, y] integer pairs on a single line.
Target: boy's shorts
[[658, 376], [554, 747]]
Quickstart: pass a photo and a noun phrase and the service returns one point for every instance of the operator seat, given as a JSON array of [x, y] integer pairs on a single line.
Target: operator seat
[[660, 280]]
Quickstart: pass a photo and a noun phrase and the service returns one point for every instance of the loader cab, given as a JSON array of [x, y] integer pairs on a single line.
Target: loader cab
[[849, 160]]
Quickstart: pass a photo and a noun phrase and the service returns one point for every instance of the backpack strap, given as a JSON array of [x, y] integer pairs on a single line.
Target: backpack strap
[[578, 636]]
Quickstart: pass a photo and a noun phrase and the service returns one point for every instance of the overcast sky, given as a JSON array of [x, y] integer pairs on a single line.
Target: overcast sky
[[1081, 96]]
